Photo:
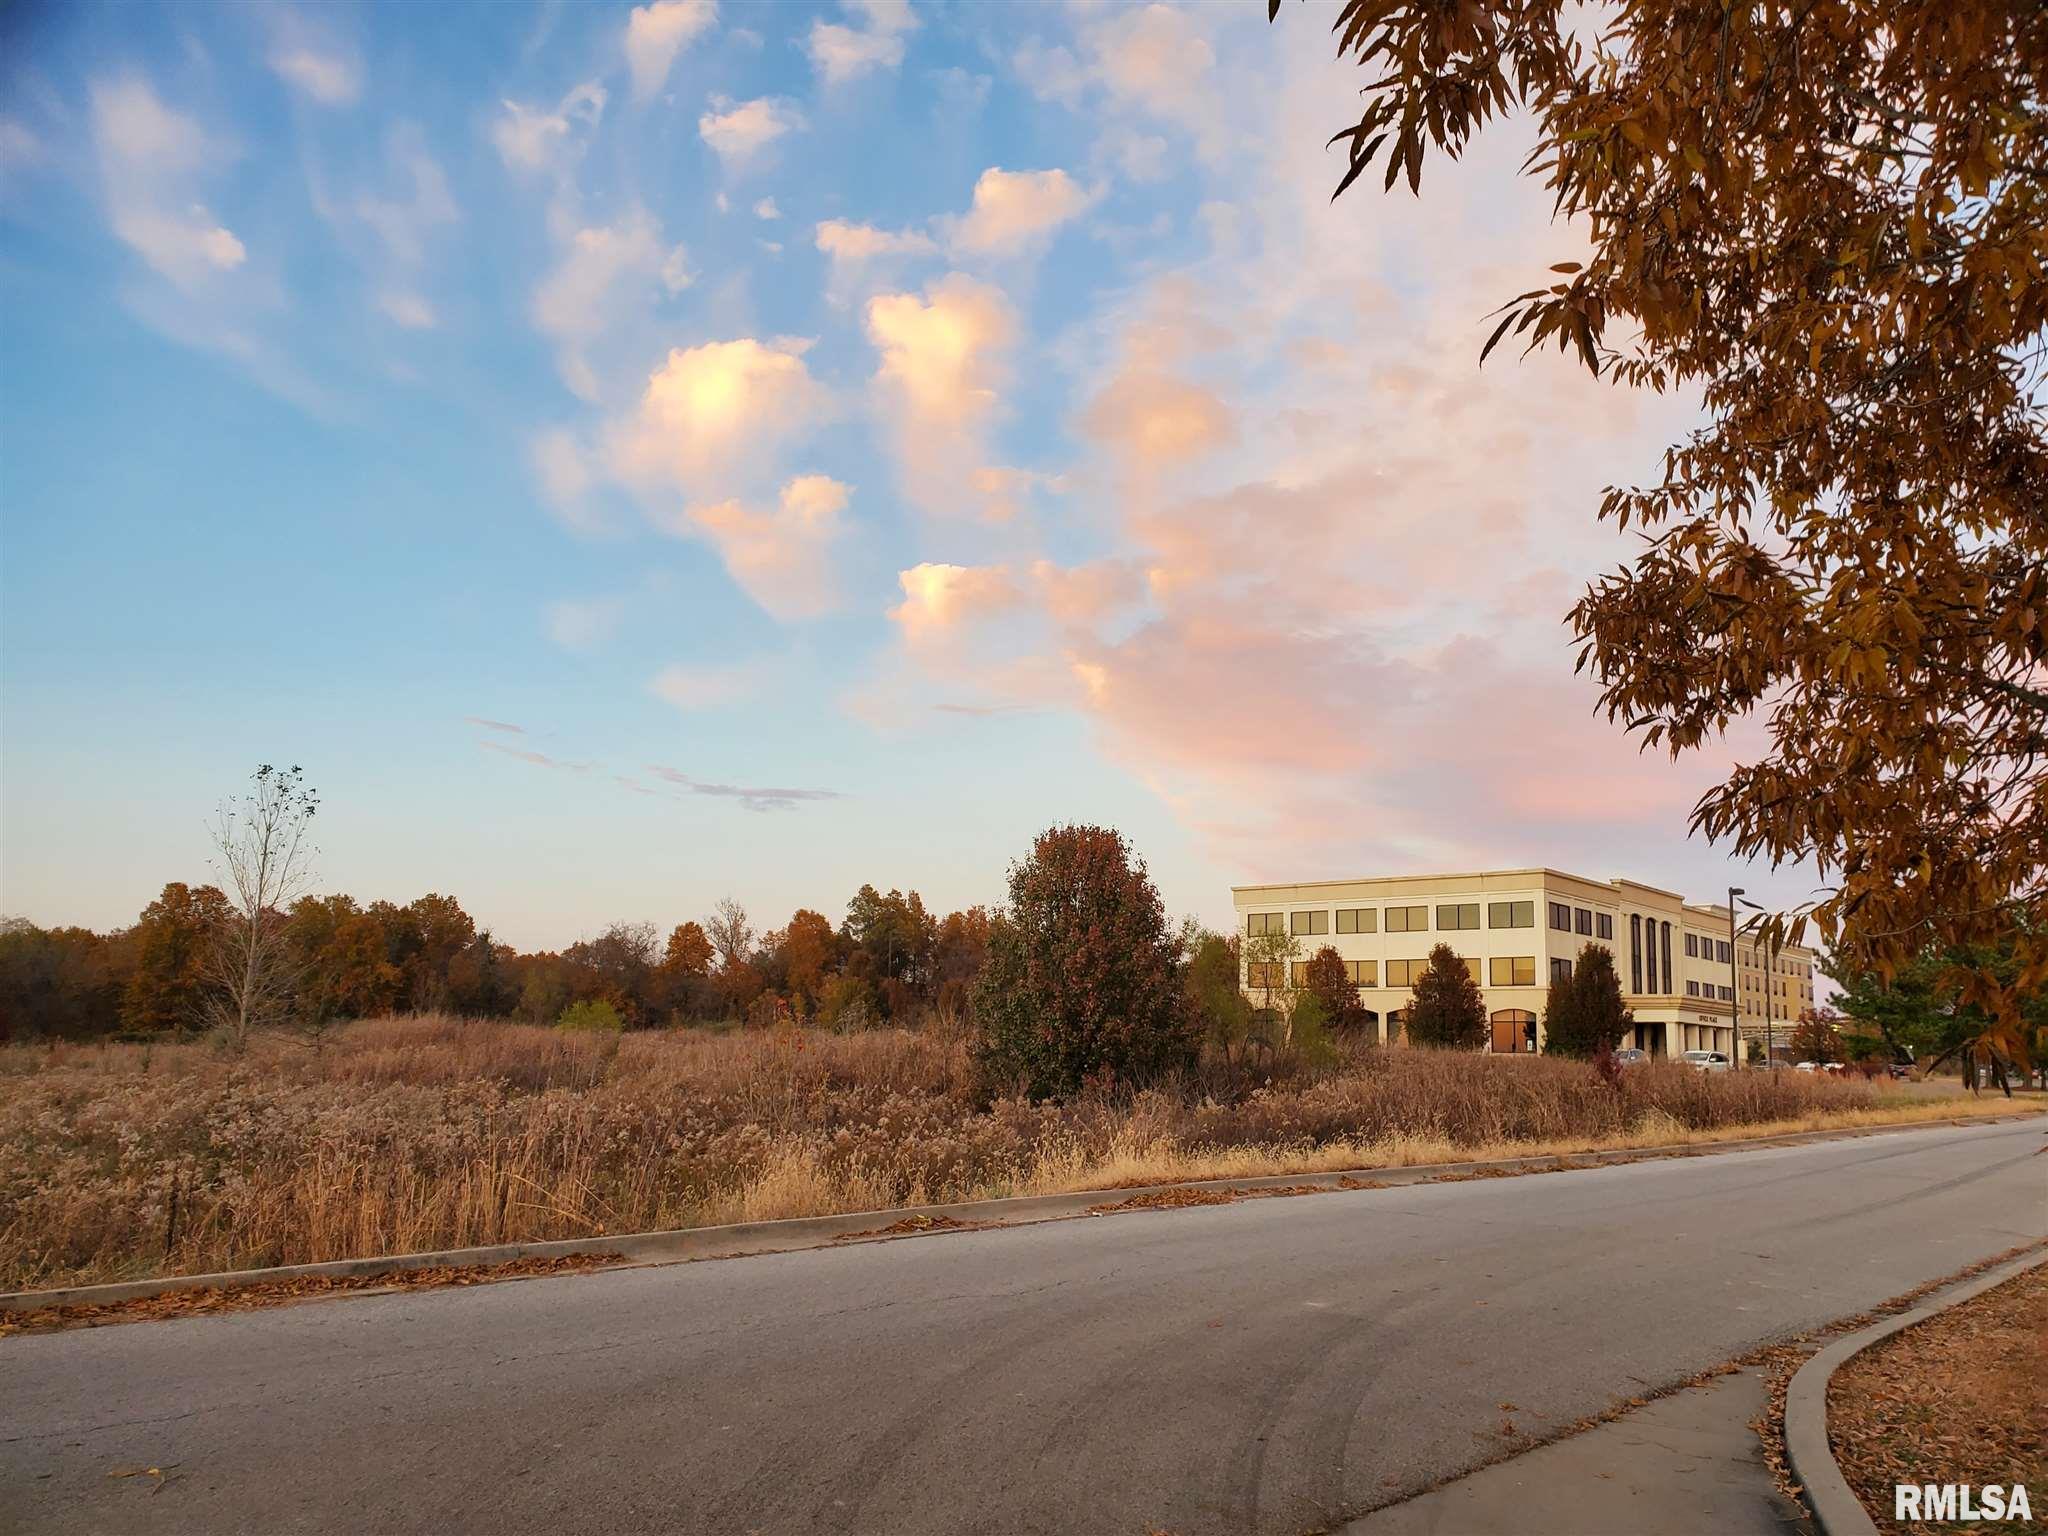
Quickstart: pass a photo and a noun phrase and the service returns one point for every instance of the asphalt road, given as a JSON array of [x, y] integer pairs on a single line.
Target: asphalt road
[[1262, 1367]]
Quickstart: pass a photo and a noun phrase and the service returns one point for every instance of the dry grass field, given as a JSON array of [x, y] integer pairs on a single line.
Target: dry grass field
[[402, 1134]]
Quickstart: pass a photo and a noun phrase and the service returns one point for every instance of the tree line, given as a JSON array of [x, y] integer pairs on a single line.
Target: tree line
[[889, 960]]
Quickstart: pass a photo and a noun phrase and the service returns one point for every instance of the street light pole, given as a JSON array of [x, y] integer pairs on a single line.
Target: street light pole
[[1735, 977]]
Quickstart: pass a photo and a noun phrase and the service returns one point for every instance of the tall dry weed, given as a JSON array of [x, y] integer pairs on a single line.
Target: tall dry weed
[[433, 1132]]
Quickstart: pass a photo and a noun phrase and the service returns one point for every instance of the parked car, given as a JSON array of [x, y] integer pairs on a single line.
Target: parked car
[[1807, 1066], [1707, 1061], [1630, 1057]]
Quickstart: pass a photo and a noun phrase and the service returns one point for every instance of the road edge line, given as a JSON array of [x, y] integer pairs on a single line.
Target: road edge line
[[1836, 1508], [792, 1234]]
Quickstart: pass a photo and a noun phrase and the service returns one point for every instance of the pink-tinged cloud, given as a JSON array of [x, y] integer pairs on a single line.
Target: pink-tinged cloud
[[715, 413], [944, 359], [780, 557], [1015, 212], [939, 599], [1153, 420]]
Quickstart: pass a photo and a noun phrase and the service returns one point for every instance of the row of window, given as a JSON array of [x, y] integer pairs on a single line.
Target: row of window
[[1451, 917], [1699, 947], [1501, 971], [1709, 989], [1566, 918]]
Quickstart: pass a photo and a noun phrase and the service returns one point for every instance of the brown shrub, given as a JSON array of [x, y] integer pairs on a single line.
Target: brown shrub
[[433, 1132]]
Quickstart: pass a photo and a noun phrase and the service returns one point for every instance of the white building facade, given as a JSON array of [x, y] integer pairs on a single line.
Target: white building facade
[[1516, 930]]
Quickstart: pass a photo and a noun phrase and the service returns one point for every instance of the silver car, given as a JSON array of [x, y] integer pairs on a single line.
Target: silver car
[[1706, 1061]]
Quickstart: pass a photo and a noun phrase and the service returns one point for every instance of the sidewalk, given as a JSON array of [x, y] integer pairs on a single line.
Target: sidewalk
[[1683, 1465]]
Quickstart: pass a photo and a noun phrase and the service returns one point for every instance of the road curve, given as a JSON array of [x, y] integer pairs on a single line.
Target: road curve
[[1265, 1367]]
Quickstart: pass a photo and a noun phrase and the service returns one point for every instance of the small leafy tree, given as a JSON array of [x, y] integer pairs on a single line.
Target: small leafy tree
[[591, 1016], [1585, 1016], [1269, 976], [1084, 975], [1216, 994], [1325, 978], [1448, 1008]]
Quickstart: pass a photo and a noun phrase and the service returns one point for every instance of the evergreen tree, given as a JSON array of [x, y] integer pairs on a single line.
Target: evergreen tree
[[1448, 1008], [1326, 979], [1585, 1017]]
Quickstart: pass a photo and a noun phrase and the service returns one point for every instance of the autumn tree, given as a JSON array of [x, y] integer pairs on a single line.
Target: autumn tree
[[265, 853], [1326, 978], [1817, 1036], [1585, 1016], [1827, 223], [172, 939], [1447, 1008], [1083, 981], [810, 952], [688, 951]]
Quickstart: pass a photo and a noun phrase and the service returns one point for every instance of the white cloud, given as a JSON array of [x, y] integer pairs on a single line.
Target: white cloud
[[766, 209], [779, 556], [656, 33], [841, 53], [738, 132], [567, 474], [150, 160], [585, 624], [548, 139], [1153, 61], [692, 688], [859, 254], [717, 412], [942, 364], [602, 272], [1014, 211], [331, 79], [408, 310], [406, 221]]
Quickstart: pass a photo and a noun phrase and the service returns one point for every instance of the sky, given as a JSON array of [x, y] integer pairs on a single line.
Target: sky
[[637, 455]]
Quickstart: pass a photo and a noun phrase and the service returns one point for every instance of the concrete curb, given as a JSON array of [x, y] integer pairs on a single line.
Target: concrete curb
[[1836, 1509], [760, 1237]]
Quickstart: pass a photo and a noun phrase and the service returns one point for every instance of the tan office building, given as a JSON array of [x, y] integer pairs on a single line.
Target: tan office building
[[1516, 930]]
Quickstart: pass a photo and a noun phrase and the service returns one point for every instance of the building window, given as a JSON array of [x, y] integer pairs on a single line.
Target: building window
[[1670, 975], [1363, 973], [1583, 921], [1404, 973], [1299, 971], [1560, 917], [1511, 914], [1513, 970], [1514, 1031], [1258, 924], [1727, 994], [1560, 970], [1692, 989], [1309, 923], [1650, 958], [1358, 919], [1464, 914], [1472, 970], [1635, 952], [1721, 951], [1603, 925], [1262, 973], [1692, 946], [1407, 919]]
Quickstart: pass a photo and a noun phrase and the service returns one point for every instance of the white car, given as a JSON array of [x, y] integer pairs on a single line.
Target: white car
[[1807, 1066], [1706, 1061]]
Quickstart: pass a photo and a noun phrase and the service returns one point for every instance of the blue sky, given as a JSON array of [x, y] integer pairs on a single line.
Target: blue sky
[[635, 455]]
